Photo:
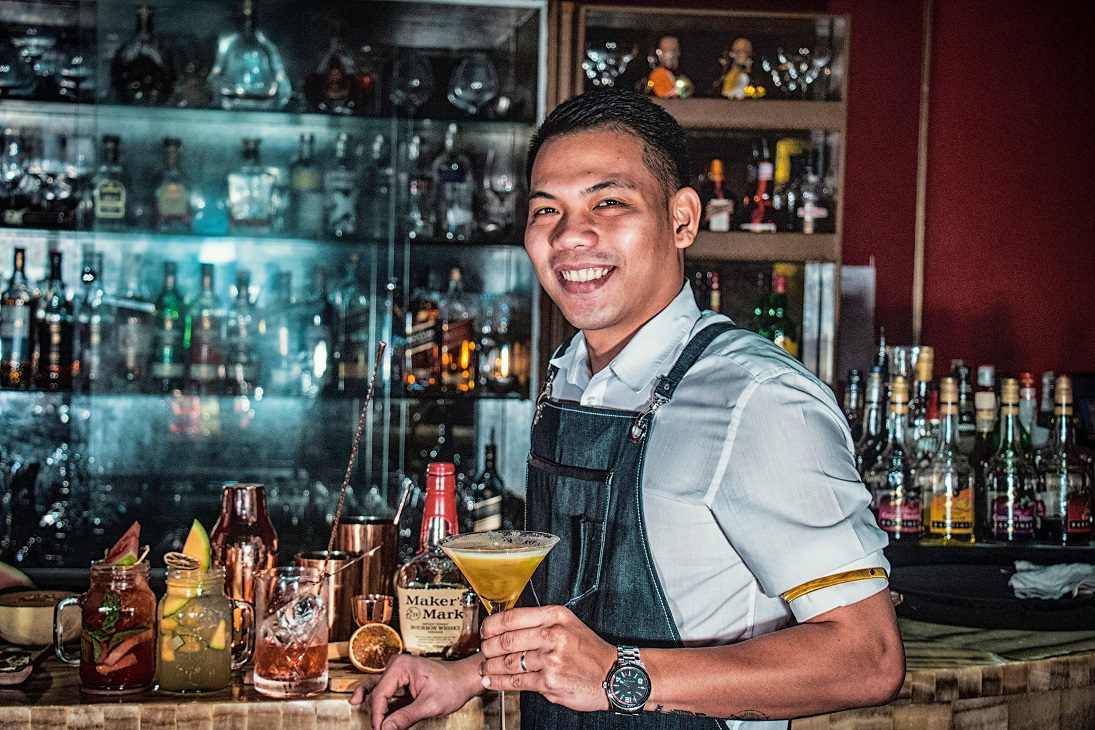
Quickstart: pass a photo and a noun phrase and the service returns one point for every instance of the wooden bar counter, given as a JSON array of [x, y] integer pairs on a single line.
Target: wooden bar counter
[[958, 678]]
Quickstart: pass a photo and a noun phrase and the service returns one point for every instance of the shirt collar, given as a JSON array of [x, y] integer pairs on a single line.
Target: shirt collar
[[644, 356]]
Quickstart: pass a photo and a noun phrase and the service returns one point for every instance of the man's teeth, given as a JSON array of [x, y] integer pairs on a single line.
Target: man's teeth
[[585, 274]]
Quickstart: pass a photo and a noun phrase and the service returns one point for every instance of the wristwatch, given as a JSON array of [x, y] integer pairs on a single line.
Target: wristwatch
[[627, 684]]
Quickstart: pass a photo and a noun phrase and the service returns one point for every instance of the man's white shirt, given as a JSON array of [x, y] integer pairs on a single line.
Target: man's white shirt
[[749, 484]]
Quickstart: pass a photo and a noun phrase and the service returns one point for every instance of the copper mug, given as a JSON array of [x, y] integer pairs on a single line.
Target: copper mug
[[360, 534], [343, 576]]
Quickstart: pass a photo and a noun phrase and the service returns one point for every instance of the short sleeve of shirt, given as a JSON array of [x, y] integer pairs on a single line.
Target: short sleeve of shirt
[[790, 500]]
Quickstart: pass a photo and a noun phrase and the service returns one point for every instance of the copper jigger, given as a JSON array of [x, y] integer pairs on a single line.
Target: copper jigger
[[372, 609], [343, 579], [360, 534]]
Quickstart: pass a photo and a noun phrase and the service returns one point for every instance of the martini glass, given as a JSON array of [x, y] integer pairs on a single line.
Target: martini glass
[[498, 564]]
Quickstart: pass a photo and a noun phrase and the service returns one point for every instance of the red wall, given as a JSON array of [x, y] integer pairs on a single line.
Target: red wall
[[1010, 251]]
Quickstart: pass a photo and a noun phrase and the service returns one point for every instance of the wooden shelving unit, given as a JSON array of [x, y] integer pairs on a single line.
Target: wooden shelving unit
[[735, 246]]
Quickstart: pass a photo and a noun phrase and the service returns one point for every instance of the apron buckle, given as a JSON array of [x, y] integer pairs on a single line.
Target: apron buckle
[[641, 423]]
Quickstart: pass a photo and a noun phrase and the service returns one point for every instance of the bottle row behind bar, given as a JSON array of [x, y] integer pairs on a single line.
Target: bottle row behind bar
[[952, 465], [50, 181], [94, 340]]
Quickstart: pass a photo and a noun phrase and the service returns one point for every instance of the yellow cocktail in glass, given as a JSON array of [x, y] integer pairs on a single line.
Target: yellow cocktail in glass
[[498, 565]]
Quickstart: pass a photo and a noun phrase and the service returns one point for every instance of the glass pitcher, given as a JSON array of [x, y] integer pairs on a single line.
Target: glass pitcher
[[116, 652], [195, 638]]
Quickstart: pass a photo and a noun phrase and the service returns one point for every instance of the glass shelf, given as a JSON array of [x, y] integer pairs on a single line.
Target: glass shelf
[[16, 110]]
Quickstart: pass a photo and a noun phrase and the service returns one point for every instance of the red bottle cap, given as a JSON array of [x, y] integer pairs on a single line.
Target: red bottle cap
[[1026, 380], [440, 468]]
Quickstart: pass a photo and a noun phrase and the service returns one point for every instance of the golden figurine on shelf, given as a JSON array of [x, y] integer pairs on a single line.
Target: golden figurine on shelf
[[665, 79], [736, 81]]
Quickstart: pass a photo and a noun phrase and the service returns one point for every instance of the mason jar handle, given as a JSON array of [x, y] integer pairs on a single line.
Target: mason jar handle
[[59, 631], [246, 640]]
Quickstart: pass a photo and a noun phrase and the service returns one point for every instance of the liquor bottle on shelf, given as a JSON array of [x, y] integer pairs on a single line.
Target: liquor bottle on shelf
[[853, 403], [340, 186], [776, 324], [142, 72], [487, 492], [892, 479], [16, 318], [241, 349], [453, 190], [206, 326], [1028, 409], [967, 417], [947, 482], [379, 178], [248, 72], [812, 209], [306, 190], [459, 350], [1012, 510], [921, 433], [422, 355], [718, 206], [13, 171], [1044, 422], [132, 329], [318, 328], [418, 192], [281, 359], [92, 322], [1065, 476], [172, 196], [497, 361], [882, 355], [429, 588], [789, 163], [757, 214], [984, 443], [251, 193], [110, 191], [873, 439], [714, 291], [335, 86], [168, 367], [54, 333], [986, 379], [352, 353]]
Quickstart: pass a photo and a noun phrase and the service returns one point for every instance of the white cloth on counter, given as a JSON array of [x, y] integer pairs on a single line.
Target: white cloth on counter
[[1052, 581]]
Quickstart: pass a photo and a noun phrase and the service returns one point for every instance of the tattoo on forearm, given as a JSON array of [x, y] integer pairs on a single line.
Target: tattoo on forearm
[[744, 715]]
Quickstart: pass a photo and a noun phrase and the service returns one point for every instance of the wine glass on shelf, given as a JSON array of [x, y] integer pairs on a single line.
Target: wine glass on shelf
[[473, 83], [498, 564], [499, 186], [412, 81]]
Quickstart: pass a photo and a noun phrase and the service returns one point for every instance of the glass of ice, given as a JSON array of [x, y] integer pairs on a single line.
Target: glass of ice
[[291, 641]]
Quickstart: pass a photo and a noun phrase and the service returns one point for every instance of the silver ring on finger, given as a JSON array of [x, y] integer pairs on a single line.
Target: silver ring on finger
[[524, 667]]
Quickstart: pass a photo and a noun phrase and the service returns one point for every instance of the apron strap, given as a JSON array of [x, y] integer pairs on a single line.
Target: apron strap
[[667, 384]]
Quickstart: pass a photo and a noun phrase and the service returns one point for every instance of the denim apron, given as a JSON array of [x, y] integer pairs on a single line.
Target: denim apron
[[585, 472]]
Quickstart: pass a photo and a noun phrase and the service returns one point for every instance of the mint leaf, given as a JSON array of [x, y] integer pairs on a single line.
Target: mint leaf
[[112, 602]]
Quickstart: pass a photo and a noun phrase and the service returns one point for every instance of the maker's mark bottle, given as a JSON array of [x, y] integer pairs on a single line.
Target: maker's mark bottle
[[429, 587]]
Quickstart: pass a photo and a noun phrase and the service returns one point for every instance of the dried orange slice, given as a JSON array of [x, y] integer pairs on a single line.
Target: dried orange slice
[[372, 646]]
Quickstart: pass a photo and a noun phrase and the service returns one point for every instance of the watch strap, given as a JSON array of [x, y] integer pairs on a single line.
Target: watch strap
[[628, 655]]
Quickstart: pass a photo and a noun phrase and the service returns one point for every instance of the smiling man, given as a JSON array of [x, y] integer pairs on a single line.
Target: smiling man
[[718, 565]]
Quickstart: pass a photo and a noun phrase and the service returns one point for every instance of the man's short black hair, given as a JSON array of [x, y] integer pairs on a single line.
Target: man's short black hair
[[665, 152]]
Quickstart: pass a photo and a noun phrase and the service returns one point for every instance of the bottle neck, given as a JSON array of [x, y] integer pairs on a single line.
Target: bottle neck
[[1064, 436], [1010, 427], [439, 514], [948, 427], [898, 416]]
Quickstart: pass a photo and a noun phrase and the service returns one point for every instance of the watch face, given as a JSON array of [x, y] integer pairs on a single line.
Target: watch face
[[629, 687]]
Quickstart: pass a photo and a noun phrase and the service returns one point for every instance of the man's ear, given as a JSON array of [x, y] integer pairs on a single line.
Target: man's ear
[[684, 214]]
